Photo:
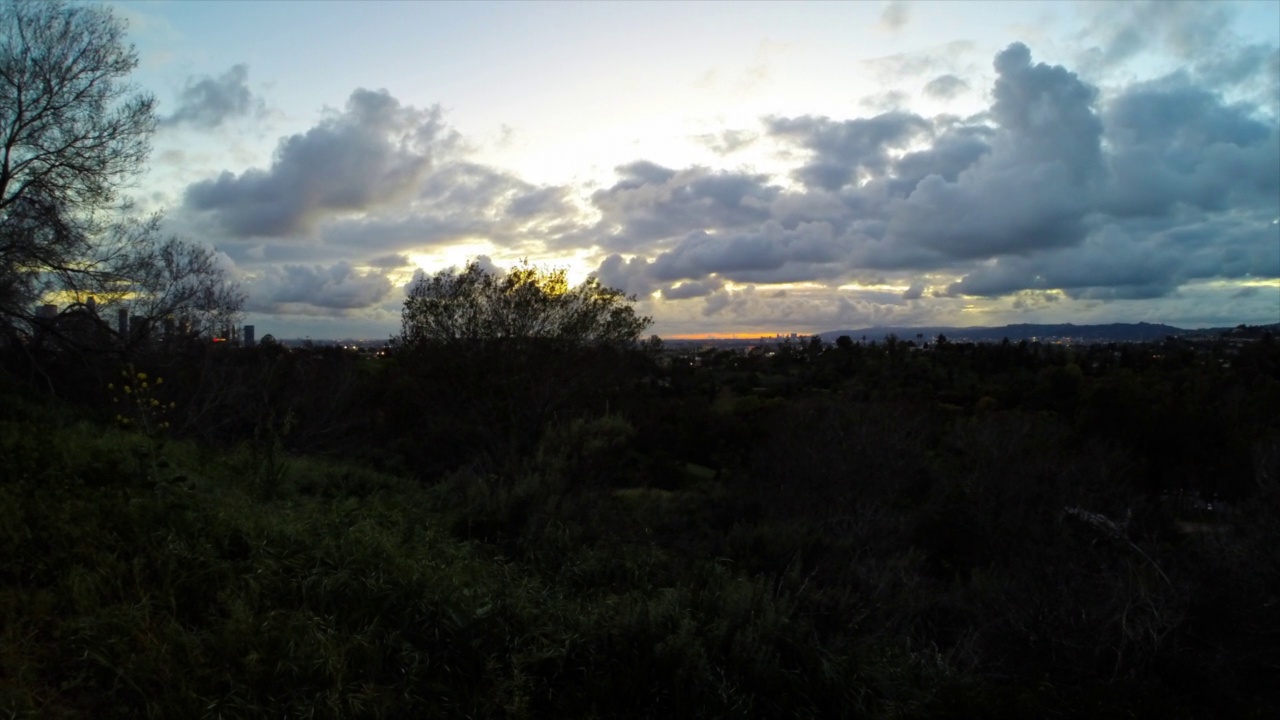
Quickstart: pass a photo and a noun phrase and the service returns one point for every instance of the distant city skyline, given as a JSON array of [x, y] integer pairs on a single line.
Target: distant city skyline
[[743, 168]]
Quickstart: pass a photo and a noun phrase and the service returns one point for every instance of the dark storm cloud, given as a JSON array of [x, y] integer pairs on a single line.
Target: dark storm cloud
[[208, 102], [373, 153], [338, 287]]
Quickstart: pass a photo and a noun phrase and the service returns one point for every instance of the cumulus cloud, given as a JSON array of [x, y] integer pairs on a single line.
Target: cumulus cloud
[[849, 150], [631, 276], [371, 154], [1060, 193], [458, 201], [1176, 142], [1033, 189], [652, 203], [315, 288], [208, 102], [1054, 193]]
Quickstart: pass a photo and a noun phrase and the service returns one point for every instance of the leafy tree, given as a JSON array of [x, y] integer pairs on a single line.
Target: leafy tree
[[489, 360], [526, 303]]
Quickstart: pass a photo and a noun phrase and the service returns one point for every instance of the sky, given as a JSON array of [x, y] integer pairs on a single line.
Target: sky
[[742, 168]]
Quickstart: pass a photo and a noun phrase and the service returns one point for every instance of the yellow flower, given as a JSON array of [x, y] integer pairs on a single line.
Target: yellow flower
[[159, 381], [111, 386], [142, 376], [127, 390], [173, 405], [154, 402]]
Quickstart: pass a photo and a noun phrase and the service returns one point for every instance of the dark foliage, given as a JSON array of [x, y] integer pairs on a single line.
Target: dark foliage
[[1006, 530]]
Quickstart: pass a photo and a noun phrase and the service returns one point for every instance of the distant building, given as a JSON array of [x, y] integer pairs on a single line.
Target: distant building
[[122, 322], [47, 312], [248, 336]]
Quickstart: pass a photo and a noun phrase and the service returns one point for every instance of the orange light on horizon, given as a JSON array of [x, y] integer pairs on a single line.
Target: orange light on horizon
[[723, 336]]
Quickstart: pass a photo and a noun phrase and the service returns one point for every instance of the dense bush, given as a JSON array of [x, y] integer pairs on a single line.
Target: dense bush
[[970, 532]]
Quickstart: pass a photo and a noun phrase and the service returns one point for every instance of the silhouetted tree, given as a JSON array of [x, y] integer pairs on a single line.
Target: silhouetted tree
[[73, 133], [489, 360], [525, 303]]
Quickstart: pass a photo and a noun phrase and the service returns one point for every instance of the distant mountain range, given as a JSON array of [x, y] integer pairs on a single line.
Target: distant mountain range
[[1113, 332]]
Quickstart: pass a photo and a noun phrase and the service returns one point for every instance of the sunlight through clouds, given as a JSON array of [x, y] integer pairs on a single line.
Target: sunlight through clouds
[[804, 166]]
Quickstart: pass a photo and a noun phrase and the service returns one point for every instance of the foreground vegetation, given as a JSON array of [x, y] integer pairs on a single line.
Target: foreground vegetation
[[820, 539]]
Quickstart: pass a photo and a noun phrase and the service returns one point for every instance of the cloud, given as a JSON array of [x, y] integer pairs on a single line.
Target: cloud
[[768, 254], [727, 142], [1056, 193], [373, 153], [653, 203], [1031, 191], [692, 289], [895, 16], [910, 66], [631, 276], [315, 288], [846, 151], [1119, 32], [459, 201], [391, 261], [1061, 196], [1175, 142], [208, 102], [945, 87]]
